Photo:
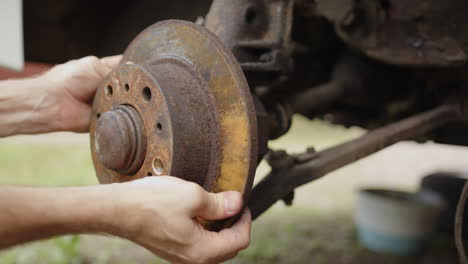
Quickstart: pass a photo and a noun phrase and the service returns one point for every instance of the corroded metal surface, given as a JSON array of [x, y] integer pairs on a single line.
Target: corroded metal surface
[[291, 171], [257, 31], [418, 33], [121, 139], [196, 109]]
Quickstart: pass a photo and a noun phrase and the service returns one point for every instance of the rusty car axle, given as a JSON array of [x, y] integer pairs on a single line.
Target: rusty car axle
[[291, 171]]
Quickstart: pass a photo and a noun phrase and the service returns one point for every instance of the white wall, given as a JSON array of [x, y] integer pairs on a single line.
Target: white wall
[[11, 34]]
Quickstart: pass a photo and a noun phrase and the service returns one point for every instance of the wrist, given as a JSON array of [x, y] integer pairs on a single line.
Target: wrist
[[94, 210], [119, 218], [111, 209], [46, 106], [79, 209], [73, 210], [24, 107], [29, 214]]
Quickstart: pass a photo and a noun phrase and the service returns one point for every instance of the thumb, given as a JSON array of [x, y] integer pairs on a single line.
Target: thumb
[[216, 206], [112, 61]]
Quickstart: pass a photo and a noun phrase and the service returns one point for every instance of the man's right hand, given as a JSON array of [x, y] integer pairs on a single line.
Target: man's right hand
[[159, 213]]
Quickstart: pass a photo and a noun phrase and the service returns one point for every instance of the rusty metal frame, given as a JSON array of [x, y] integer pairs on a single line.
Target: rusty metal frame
[[257, 31], [291, 171], [417, 33]]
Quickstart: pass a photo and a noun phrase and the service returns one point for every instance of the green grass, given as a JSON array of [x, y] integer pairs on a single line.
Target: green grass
[[46, 165]]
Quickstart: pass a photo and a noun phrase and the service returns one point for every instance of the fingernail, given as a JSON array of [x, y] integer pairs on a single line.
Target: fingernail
[[232, 202]]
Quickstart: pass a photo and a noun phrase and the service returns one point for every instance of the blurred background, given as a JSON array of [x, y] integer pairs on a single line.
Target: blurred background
[[318, 228]]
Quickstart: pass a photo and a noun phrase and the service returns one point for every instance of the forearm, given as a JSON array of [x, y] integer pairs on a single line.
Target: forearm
[[28, 214], [58, 100], [23, 107], [148, 212]]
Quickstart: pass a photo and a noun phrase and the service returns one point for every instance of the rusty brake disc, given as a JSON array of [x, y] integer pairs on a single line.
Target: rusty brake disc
[[178, 105]]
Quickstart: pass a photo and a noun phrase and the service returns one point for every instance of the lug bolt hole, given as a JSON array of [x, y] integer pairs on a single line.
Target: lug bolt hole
[[127, 87], [159, 127], [109, 91], [150, 174], [147, 94], [158, 166], [98, 115]]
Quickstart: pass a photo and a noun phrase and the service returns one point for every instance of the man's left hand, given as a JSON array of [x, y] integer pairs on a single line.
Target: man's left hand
[[71, 88]]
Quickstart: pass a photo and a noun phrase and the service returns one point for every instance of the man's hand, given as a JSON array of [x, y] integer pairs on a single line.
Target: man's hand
[[58, 100], [158, 213], [71, 88]]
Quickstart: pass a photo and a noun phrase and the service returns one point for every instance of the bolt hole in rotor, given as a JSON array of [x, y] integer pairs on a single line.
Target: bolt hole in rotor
[[108, 91], [127, 87], [149, 174], [147, 94], [250, 15], [158, 166], [98, 115], [159, 127]]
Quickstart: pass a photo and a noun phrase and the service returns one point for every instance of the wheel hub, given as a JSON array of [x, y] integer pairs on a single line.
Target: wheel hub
[[121, 140], [178, 105]]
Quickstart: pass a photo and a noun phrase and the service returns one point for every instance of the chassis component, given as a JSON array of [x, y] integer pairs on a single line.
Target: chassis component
[[421, 32], [291, 171]]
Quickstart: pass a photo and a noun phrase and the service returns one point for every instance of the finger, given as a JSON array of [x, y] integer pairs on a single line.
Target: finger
[[89, 71], [226, 244], [244, 222], [86, 65], [238, 236], [112, 61], [101, 69], [216, 206]]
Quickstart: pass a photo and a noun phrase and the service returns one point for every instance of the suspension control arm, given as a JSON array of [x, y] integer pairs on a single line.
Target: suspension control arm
[[294, 171]]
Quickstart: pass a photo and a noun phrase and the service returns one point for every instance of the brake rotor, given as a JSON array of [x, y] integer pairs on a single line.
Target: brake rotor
[[178, 105]]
